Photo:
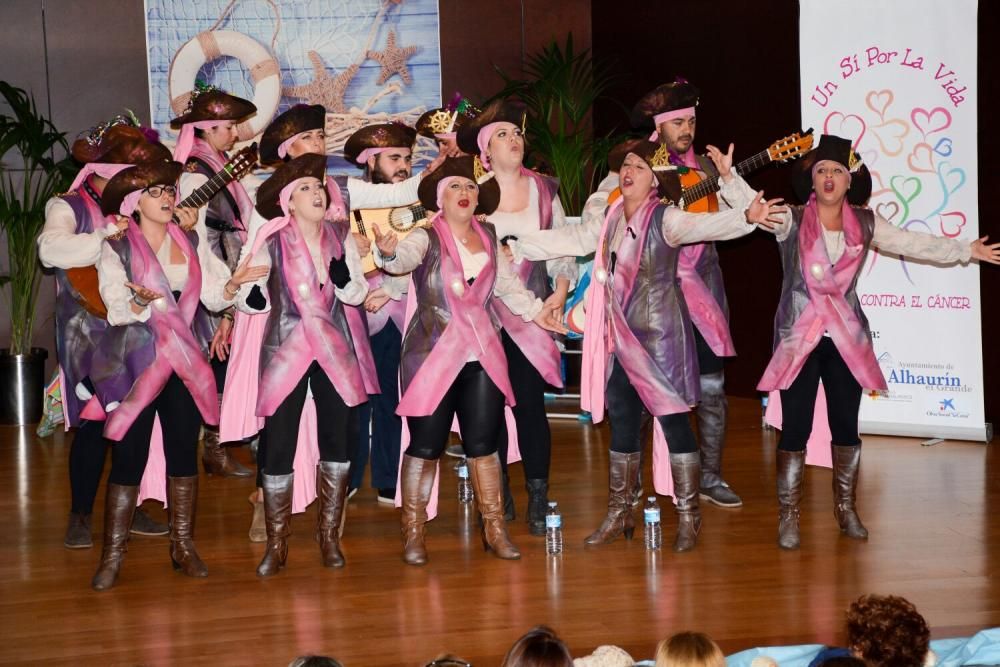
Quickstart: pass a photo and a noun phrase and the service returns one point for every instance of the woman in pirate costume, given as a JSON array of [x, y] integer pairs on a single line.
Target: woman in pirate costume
[[529, 202], [314, 275], [821, 333], [152, 281], [453, 362], [639, 349]]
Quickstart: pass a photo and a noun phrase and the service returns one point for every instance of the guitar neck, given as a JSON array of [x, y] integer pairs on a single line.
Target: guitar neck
[[708, 186], [202, 195]]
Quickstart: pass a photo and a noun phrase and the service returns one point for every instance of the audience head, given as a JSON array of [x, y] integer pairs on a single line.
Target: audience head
[[314, 661], [887, 631], [689, 649], [843, 661], [448, 660], [539, 647], [605, 656]]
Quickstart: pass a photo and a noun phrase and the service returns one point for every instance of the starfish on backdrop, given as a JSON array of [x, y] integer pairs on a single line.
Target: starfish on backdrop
[[324, 89], [393, 60]]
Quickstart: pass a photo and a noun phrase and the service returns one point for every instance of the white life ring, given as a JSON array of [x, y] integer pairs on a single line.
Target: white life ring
[[213, 44]]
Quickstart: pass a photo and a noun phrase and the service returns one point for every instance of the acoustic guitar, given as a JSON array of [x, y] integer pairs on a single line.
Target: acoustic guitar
[[83, 280], [401, 220], [698, 193]]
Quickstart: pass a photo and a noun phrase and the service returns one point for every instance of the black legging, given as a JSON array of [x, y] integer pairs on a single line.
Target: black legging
[[180, 422], [626, 411], [336, 424], [86, 463], [843, 400], [708, 361], [534, 438], [479, 406]]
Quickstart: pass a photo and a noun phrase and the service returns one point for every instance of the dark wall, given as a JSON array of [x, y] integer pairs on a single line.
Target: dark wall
[[745, 60]]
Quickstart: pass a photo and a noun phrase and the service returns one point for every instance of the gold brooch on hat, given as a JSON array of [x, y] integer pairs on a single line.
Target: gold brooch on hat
[[479, 172], [661, 160], [854, 162]]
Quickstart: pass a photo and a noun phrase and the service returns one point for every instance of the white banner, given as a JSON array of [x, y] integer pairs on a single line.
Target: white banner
[[899, 79]]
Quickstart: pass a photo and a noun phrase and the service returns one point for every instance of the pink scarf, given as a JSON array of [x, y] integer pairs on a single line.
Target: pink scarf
[[706, 313], [828, 309], [469, 329], [170, 322]]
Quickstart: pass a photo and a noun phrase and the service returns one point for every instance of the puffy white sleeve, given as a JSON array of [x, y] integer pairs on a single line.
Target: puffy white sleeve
[[410, 253], [919, 245], [681, 227], [262, 258], [382, 195], [117, 297], [562, 267], [513, 293], [737, 193], [214, 276], [60, 247], [355, 291], [188, 183]]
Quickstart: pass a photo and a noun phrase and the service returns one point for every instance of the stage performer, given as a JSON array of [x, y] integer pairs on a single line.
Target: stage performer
[[643, 358], [443, 123], [671, 110], [152, 281], [208, 131], [821, 332], [453, 361], [308, 345], [529, 202], [71, 238]]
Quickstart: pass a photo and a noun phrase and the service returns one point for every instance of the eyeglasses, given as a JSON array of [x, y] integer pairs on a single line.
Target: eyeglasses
[[156, 191]]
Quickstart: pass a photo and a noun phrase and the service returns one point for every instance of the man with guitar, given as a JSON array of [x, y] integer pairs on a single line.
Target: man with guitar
[[207, 132], [70, 243]]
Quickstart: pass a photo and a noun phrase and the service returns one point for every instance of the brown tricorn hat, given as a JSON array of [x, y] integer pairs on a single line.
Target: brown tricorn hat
[[656, 156], [666, 97], [214, 105], [269, 193], [467, 166], [139, 177], [838, 150], [119, 142], [300, 118], [498, 111], [381, 135]]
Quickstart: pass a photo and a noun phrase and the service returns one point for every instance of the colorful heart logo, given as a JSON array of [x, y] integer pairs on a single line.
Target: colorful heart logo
[[929, 122], [890, 135], [888, 210], [921, 158], [952, 179], [951, 223], [879, 101], [845, 125], [943, 147]]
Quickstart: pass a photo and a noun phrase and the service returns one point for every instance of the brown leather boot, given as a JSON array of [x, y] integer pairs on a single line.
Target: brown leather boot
[[216, 458], [846, 464], [685, 469], [331, 482], [182, 498], [623, 478], [417, 479], [790, 466], [487, 485], [119, 505], [258, 531], [277, 517]]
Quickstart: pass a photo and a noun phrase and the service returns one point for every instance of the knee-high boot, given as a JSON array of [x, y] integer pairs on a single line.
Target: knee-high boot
[[538, 504], [417, 481], [487, 486], [277, 518], [685, 469], [623, 477], [790, 466], [182, 494], [712, 413], [119, 505], [216, 458], [846, 464], [332, 481]]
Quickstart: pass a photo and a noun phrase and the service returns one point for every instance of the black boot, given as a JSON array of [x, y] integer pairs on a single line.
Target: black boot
[[538, 504]]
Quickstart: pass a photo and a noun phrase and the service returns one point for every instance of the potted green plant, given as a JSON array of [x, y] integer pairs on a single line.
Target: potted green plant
[[559, 88], [32, 141]]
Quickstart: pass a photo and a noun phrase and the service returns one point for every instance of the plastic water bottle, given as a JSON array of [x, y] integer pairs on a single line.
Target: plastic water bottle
[[553, 530], [763, 413], [465, 494], [651, 513]]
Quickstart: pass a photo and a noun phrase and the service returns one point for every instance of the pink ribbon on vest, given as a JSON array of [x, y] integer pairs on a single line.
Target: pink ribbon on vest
[[170, 322], [536, 343], [315, 337], [827, 310], [470, 329], [706, 313]]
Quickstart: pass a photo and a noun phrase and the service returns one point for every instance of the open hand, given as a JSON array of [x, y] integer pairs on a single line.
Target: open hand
[[386, 243], [245, 273], [220, 341], [144, 293], [550, 319], [766, 213], [363, 244], [376, 298], [723, 161], [986, 252], [187, 217]]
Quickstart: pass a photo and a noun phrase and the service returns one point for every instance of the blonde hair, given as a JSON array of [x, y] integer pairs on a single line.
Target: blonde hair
[[689, 649]]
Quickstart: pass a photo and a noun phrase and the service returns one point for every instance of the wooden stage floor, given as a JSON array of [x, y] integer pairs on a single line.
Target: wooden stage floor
[[933, 540]]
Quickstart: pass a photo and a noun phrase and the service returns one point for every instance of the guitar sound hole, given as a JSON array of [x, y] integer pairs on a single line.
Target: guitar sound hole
[[402, 219]]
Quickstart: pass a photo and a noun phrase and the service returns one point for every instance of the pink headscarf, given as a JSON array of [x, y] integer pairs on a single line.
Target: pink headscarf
[[370, 152], [442, 185], [668, 115], [483, 140], [131, 201], [102, 169], [185, 141]]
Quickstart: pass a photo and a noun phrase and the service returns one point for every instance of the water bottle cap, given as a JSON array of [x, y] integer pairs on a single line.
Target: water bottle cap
[[651, 499], [552, 503]]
